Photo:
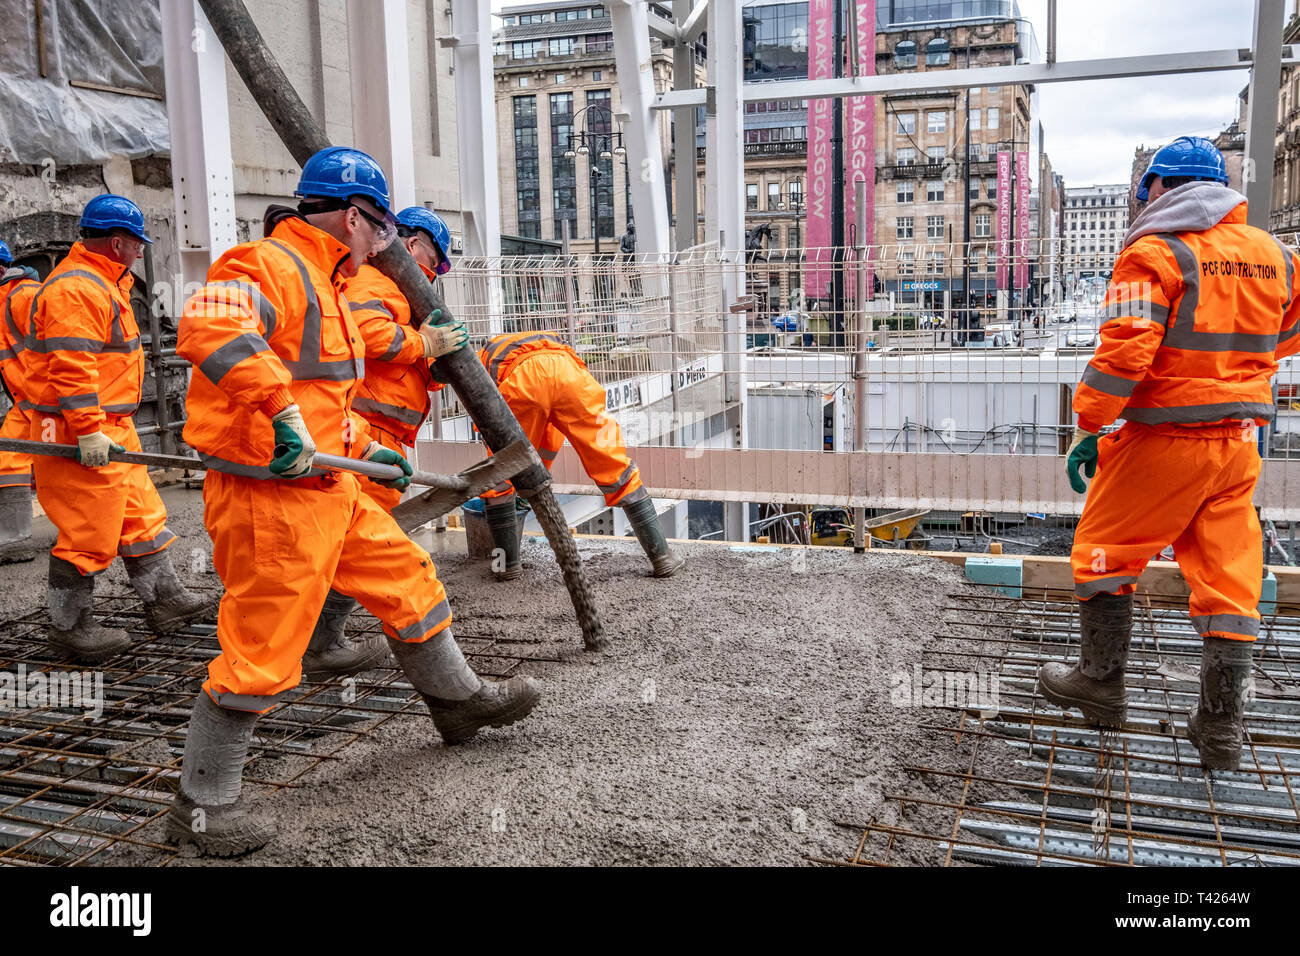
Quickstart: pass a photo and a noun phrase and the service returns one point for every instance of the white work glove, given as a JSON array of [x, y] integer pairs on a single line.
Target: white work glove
[[294, 447], [440, 340], [93, 449]]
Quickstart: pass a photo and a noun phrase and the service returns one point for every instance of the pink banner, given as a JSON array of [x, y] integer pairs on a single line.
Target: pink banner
[[1004, 218], [1022, 220], [821, 59], [860, 143]]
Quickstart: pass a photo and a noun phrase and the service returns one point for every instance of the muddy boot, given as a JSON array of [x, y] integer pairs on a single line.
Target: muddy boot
[[73, 629], [168, 605], [1215, 726], [1096, 684], [645, 525], [208, 810], [332, 651], [459, 702], [16, 524], [504, 525]]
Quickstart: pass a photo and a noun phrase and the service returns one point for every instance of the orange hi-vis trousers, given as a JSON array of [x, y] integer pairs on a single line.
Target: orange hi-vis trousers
[[100, 512], [15, 467], [386, 498], [279, 546], [1191, 487], [555, 398]]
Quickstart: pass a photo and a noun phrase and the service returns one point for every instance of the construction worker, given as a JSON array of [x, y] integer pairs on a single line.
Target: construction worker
[[84, 373], [17, 286], [393, 399], [278, 360], [1198, 312], [554, 397]]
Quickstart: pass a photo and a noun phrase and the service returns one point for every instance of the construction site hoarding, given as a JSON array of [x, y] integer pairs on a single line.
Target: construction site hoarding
[[821, 55]]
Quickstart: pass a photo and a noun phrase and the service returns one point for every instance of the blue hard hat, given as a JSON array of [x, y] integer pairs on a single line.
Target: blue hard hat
[[417, 217], [114, 212], [341, 173], [6, 257], [1193, 156]]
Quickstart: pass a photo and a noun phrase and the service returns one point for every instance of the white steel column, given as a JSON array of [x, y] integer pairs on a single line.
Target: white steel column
[[476, 124], [725, 166], [380, 71], [194, 65], [645, 163], [1261, 124]]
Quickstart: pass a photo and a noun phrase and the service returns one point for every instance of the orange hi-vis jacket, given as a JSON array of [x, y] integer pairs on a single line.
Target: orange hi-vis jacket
[[395, 393], [272, 328], [85, 363], [1195, 323], [15, 325]]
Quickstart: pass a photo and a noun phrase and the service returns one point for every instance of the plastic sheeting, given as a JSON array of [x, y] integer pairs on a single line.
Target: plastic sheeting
[[114, 43]]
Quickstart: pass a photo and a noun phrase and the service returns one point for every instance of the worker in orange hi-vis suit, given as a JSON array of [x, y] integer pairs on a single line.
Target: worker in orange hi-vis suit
[[278, 360], [393, 399], [17, 287], [83, 373], [554, 397], [1200, 308]]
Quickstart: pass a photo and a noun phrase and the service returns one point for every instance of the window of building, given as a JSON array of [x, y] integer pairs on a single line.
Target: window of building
[[564, 182], [530, 18], [934, 227], [936, 154], [936, 263], [937, 52], [936, 121], [560, 78], [523, 81], [773, 196], [983, 225], [906, 263], [599, 121], [528, 205], [905, 55], [906, 190], [975, 119], [995, 117], [994, 89], [906, 123], [599, 42], [562, 46], [796, 194], [975, 91], [509, 21], [525, 49], [595, 76], [906, 156], [751, 197], [597, 12], [991, 187], [905, 227], [934, 190], [974, 189]]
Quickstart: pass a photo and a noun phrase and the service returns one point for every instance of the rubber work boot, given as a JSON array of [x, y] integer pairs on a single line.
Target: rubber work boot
[[459, 701], [168, 605], [208, 810], [504, 525], [73, 629], [16, 524], [1096, 684], [1215, 726], [645, 525], [332, 651]]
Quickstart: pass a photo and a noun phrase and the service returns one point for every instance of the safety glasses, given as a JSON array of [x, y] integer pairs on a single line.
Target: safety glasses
[[385, 229]]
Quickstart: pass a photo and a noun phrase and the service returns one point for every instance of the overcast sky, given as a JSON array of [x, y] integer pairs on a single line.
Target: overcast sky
[[1092, 129]]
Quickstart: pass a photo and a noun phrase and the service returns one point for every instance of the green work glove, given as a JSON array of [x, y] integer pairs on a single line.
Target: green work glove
[[1082, 451], [386, 456], [294, 447]]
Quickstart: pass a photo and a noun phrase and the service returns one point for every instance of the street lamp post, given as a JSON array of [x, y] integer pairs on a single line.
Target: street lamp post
[[605, 146]]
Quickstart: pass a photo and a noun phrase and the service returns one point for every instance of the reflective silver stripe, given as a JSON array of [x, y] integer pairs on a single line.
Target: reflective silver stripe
[[261, 472], [264, 308], [78, 401], [221, 361], [68, 343], [7, 481], [499, 352], [633, 497], [1290, 270], [47, 409], [1197, 414], [547, 455], [1139, 310], [1232, 623], [1110, 384], [247, 702], [129, 408], [440, 613], [138, 548], [396, 412], [1288, 334], [374, 304], [7, 354], [309, 364], [1087, 589], [622, 480], [20, 341], [399, 339], [1183, 334]]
